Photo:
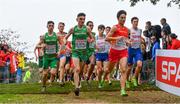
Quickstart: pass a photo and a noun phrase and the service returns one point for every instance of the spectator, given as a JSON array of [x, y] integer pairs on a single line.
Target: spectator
[[175, 43], [145, 66], [166, 26], [6, 59], [27, 76], [164, 35], [19, 69], [13, 66], [2, 63], [148, 44], [156, 46]]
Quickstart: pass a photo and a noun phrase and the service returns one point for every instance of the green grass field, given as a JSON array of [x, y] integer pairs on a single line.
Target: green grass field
[[30, 93]]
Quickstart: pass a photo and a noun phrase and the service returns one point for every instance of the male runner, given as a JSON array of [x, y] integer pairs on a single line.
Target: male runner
[[134, 52], [40, 48], [80, 34], [62, 55], [91, 53], [118, 37], [101, 53], [50, 54]]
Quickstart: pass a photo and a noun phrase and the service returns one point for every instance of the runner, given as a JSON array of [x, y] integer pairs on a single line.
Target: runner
[[50, 54], [39, 47], [107, 30], [68, 69], [80, 35], [91, 53], [134, 52], [62, 55], [101, 53], [118, 37]]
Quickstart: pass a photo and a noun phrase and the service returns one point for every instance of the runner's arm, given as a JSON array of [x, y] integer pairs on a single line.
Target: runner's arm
[[68, 35], [35, 52], [90, 34], [109, 37]]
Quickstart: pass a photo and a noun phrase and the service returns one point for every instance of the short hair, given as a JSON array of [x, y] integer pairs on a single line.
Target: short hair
[[49, 22], [101, 27], [134, 18], [121, 12], [108, 27], [81, 14], [165, 31], [89, 23], [148, 22], [61, 23], [173, 35], [163, 19]]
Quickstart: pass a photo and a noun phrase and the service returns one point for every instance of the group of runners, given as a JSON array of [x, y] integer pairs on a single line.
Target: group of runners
[[108, 48]]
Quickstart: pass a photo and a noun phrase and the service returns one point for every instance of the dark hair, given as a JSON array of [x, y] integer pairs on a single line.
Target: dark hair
[[81, 14], [49, 22], [89, 23], [165, 31], [163, 19], [173, 35], [101, 27], [108, 27], [121, 12], [61, 23], [148, 22], [134, 18]]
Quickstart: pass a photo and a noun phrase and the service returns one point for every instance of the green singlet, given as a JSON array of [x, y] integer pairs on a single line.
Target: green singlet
[[50, 51], [79, 43]]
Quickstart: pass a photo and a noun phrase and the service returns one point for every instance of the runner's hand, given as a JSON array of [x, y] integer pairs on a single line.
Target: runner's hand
[[90, 40], [119, 38]]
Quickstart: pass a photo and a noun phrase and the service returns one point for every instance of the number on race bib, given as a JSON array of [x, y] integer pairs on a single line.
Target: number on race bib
[[50, 49], [120, 43], [80, 44]]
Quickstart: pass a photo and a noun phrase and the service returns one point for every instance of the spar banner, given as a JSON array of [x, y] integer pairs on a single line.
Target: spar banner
[[168, 70]]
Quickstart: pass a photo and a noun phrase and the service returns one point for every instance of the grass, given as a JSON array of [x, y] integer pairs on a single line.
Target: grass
[[35, 88], [30, 93]]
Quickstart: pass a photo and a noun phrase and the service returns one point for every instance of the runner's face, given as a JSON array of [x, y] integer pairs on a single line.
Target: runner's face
[[61, 27], [107, 30], [122, 19], [135, 23], [90, 25], [41, 38], [81, 20], [50, 27], [101, 31]]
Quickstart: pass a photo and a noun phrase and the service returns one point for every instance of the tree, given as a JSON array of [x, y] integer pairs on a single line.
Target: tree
[[11, 38], [154, 2]]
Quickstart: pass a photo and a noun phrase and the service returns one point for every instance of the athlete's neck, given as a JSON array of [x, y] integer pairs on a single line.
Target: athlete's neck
[[50, 32], [100, 35], [122, 25], [61, 32], [80, 26], [135, 28]]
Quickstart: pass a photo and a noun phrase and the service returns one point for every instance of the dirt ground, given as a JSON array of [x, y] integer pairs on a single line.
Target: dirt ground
[[93, 97]]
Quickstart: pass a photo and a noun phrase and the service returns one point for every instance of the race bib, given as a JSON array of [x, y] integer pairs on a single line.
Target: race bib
[[50, 49], [135, 45], [120, 43], [80, 44], [101, 47]]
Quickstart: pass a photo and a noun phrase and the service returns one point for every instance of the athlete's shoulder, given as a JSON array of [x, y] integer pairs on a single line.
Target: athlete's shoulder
[[126, 28]]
